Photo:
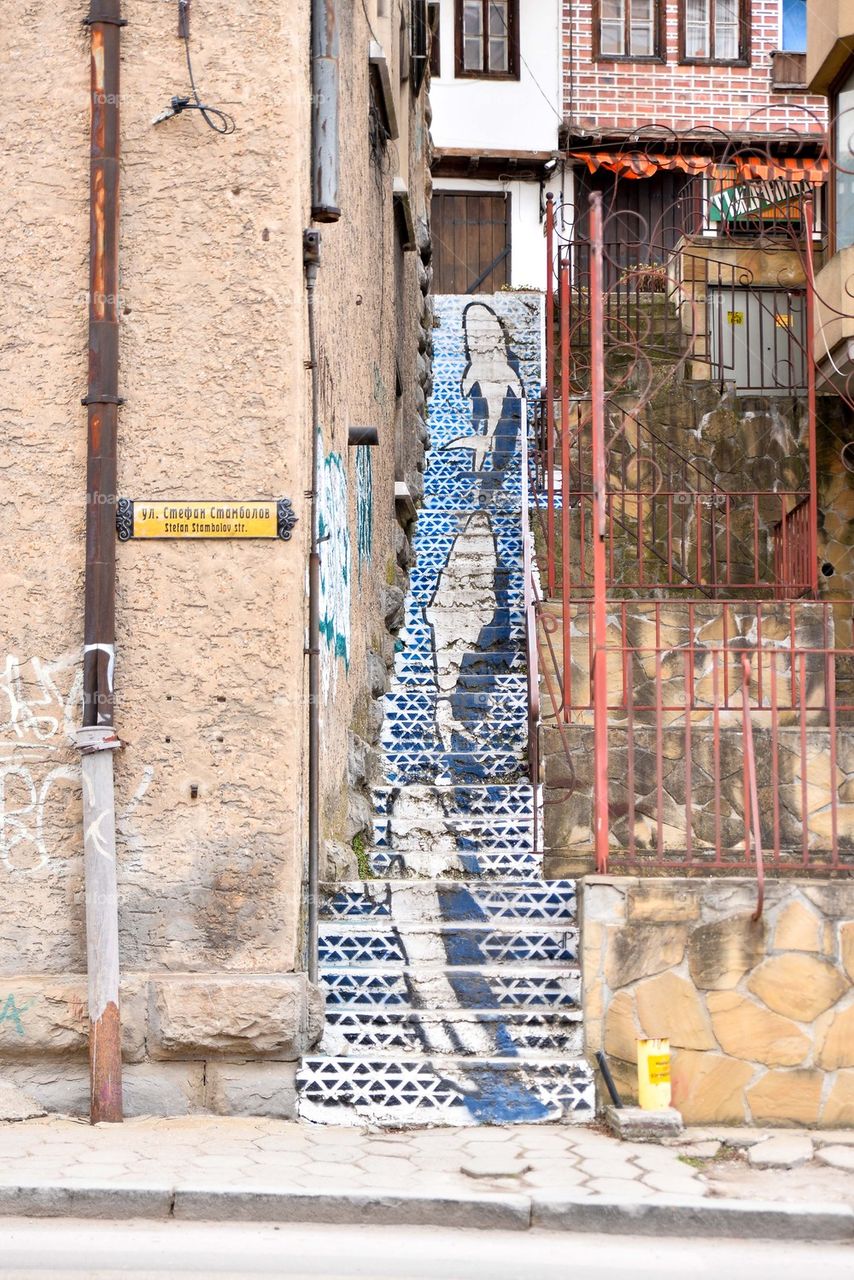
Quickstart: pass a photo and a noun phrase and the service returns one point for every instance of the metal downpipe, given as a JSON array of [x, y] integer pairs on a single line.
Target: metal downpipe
[[311, 264], [325, 96], [97, 739]]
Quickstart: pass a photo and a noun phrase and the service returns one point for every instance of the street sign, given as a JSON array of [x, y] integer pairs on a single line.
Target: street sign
[[188, 518]]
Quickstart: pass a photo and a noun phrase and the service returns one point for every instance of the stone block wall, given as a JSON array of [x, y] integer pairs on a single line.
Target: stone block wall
[[760, 1015], [226, 1043]]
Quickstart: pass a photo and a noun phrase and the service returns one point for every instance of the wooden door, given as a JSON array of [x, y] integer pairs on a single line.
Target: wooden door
[[471, 242]]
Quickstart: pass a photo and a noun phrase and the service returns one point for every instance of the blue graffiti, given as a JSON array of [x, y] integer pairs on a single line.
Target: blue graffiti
[[364, 506]]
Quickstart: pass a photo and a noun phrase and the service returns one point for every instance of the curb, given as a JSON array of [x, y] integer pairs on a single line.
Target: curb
[[724, 1219]]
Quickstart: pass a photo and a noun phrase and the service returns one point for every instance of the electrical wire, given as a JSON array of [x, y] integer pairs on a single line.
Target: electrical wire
[[214, 118]]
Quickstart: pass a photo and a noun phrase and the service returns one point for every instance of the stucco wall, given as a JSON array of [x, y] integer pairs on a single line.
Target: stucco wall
[[760, 1015], [211, 674]]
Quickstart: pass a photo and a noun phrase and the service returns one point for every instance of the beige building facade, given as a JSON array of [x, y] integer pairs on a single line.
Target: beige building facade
[[211, 693]]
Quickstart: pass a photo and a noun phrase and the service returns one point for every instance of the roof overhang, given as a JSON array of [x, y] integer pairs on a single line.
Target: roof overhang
[[467, 162]]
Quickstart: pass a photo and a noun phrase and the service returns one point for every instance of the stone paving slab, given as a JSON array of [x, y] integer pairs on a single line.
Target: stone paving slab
[[510, 1178]]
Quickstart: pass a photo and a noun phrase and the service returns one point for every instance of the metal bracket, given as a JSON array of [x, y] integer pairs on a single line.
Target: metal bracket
[[286, 518], [97, 737], [107, 19], [102, 400], [183, 19]]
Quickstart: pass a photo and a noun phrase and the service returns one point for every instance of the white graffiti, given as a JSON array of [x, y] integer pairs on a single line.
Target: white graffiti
[[33, 708], [110, 651], [335, 570], [39, 708]]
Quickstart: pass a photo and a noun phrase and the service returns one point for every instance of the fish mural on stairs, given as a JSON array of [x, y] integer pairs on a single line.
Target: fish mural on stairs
[[451, 974], [490, 378]]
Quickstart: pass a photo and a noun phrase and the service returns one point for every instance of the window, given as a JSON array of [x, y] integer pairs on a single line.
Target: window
[[628, 29], [433, 12], [714, 31], [488, 38], [794, 24]]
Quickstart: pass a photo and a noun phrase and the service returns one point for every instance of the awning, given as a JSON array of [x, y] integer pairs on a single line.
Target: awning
[[643, 164], [639, 164], [782, 169]]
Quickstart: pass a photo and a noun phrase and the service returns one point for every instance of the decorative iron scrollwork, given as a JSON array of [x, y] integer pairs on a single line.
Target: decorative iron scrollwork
[[124, 519], [286, 518]]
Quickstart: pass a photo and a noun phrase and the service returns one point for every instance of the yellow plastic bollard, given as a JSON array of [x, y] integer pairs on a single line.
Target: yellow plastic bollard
[[654, 1074]]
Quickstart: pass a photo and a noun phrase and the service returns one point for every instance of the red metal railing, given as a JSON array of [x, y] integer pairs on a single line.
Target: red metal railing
[[689, 628], [720, 753], [530, 610], [726, 685], [793, 551]]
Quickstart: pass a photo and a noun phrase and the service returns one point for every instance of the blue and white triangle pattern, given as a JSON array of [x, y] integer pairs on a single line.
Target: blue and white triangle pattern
[[453, 990]]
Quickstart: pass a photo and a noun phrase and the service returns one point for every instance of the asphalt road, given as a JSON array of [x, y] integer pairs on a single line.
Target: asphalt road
[[97, 1250]]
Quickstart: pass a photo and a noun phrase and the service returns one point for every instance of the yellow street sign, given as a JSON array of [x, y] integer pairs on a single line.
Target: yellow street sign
[[186, 518]]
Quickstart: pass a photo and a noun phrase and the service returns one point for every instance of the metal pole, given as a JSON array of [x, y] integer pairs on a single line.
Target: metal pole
[[550, 392], [600, 620], [97, 739], [811, 397], [325, 165], [566, 546], [311, 263]]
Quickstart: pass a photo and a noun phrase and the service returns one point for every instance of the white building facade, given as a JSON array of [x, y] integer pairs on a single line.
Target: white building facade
[[496, 98]]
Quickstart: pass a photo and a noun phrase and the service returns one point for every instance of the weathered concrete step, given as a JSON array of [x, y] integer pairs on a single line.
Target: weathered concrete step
[[448, 900], [454, 1031], [493, 636], [446, 1091], [431, 835], [496, 663], [550, 986], [503, 578], [462, 735], [418, 703], [486, 799], [432, 864], [420, 764], [347, 945], [514, 683]]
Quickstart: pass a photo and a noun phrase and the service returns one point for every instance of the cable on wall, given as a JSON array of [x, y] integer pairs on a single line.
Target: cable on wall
[[215, 118]]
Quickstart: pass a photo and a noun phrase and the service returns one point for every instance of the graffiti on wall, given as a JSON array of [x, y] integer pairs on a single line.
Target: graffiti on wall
[[364, 506], [335, 570], [41, 705], [39, 708]]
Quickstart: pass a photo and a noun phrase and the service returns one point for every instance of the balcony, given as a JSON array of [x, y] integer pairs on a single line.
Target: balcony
[[788, 71]]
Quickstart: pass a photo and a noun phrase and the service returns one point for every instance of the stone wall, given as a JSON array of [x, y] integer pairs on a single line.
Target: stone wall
[[760, 1016]]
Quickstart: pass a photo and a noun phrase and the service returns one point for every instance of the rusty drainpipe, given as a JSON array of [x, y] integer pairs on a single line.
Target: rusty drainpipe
[[97, 739]]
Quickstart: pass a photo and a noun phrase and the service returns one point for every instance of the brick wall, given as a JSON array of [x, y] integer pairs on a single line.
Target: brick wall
[[605, 95]]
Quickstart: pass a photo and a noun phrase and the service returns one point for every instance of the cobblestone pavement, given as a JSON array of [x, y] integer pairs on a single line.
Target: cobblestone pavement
[[215, 1154]]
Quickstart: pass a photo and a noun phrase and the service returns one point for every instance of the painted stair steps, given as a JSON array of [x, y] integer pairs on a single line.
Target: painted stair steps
[[452, 982], [549, 1033]]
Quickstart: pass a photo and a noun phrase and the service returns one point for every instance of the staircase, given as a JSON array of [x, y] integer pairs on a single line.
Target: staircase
[[451, 975]]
